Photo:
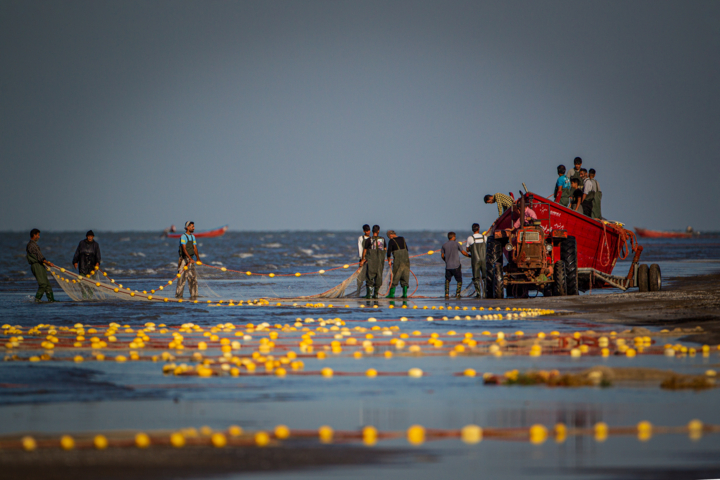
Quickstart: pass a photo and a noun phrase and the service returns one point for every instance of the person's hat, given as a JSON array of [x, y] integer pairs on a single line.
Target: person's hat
[[188, 223], [89, 233], [391, 232]]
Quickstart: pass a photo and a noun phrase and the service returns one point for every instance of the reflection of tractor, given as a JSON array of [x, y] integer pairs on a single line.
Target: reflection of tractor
[[563, 252], [536, 260]]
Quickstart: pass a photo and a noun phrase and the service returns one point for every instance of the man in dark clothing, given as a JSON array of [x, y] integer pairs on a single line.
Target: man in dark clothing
[[362, 277], [37, 264], [400, 263], [87, 256], [575, 172], [374, 256], [576, 196], [588, 193], [450, 253], [186, 264]]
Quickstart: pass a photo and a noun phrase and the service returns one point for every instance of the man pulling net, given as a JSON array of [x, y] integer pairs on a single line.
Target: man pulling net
[[374, 256], [186, 263], [399, 258]]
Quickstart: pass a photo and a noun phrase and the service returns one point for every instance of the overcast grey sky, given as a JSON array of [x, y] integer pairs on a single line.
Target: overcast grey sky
[[326, 115]]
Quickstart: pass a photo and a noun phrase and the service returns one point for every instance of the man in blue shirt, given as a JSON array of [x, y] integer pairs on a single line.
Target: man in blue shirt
[[186, 263], [450, 252], [562, 191]]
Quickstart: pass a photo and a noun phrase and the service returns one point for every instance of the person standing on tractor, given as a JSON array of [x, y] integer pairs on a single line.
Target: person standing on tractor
[[186, 263], [503, 202], [450, 253], [37, 264], [374, 256], [399, 260], [588, 193], [562, 187], [475, 245], [575, 172], [597, 202]]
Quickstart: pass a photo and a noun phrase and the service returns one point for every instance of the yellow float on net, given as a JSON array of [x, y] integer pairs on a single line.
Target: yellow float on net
[[297, 274], [100, 442], [271, 275], [430, 252]]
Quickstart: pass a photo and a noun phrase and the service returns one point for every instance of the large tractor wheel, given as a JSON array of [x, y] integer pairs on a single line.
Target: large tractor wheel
[[654, 278], [493, 255], [560, 284], [568, 254], [643, 278], [497, 281]]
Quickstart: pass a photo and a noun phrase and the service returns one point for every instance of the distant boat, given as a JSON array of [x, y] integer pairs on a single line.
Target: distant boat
[[218, 232], [645, 233]]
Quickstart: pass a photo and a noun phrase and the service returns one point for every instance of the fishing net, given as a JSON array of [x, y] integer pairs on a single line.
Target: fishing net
[[98, 287]]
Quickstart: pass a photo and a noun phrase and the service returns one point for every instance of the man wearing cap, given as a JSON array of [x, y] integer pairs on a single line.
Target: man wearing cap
[[186, 263], [87, 255], [399, 259]]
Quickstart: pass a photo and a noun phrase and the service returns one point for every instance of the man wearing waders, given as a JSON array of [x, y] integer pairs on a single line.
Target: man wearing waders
[[475, 246], [87, 259], [597, 201], [37, 264], [562, 187], [362, 278], [400, 263], [374, 256], [450, 253], [186, 264]]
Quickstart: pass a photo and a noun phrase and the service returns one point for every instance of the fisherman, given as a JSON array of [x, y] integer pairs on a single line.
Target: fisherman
[[186, 263], [530, 215], [562, 187], [374, 257], [399, 262], [450, 253], [362, 278], [37, 264], [588, 193], [475, 246], [503, 202], [167, 231], [577, 193], [597, 202], [87, 255], [575, 172]]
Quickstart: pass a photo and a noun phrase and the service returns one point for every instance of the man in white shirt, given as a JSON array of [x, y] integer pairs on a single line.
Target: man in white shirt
[[361, 246], [475, 246], [588, 193]]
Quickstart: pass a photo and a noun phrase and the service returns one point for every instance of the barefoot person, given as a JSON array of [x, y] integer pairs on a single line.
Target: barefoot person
[[37, 263], [186, 263], [399, 259]]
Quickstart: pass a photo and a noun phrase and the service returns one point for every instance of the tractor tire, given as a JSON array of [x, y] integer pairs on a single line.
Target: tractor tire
[[497, 281], [560, 284], [643, 278], [493, 255], [654, 278], [568, 254]]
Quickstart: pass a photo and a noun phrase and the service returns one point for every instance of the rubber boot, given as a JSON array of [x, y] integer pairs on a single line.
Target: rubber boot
[[369, 292], [477, 289], [375, 293], [447, 288], [391, 293], [458, 290], [405, 289], [50, 296]]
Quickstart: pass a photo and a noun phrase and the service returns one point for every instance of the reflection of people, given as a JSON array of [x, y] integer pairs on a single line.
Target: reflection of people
[[529, 215], [87, 254], [186, 264], [374, 256], [475, 246], [503, 202], [450, 253], [37, 264], [400, 263], [361, 247]]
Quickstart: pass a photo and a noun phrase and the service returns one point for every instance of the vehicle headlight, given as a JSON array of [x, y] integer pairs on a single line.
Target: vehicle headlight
[[509, 247], [548, 247]]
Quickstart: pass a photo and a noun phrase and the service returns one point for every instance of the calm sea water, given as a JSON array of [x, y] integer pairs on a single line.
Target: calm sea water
[[97, 396]]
